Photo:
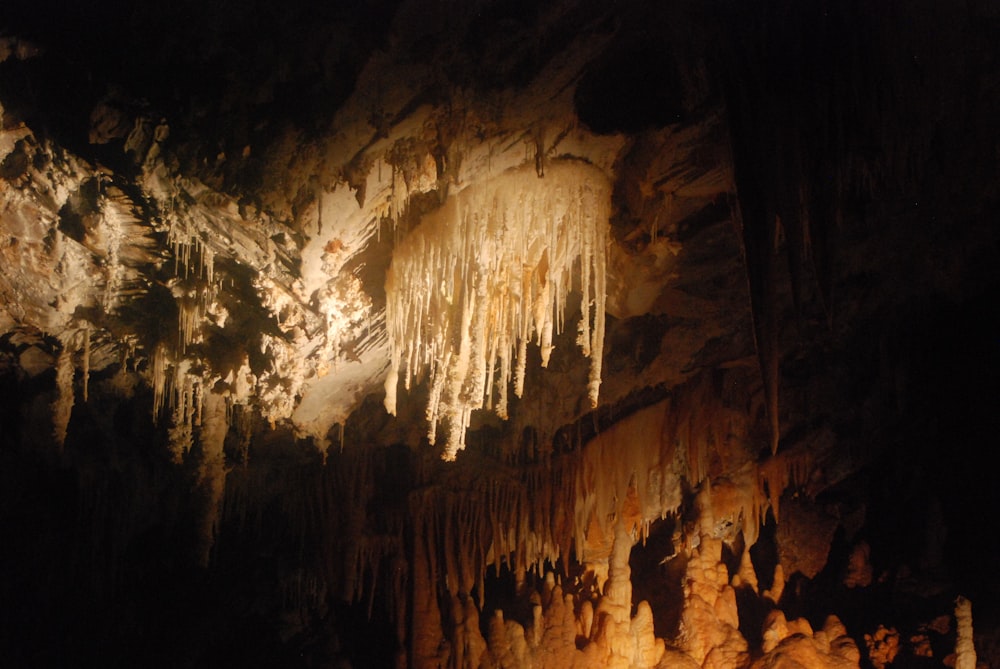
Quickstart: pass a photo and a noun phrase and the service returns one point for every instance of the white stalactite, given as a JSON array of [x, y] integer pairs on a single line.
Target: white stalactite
[[487, 272]]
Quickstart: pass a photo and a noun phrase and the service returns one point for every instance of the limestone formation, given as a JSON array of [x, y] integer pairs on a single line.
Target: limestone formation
[[491, 333]]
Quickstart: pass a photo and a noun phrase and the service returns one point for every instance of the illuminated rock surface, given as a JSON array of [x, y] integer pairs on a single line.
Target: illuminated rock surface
[[499, 334]]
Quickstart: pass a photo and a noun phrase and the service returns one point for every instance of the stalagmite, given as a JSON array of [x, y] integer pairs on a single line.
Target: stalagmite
[[775, 630], [965, 649], [778, 585], [605, 498], [499, 643], [859, 573], [792, 643], [425, 620], [883, 646], [473, 645], [746, 575], [622, 640], [617, 600], [486, 273], [709, 628]]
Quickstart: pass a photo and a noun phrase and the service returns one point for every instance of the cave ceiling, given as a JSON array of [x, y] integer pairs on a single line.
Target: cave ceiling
[[246, 172], [251, 184]]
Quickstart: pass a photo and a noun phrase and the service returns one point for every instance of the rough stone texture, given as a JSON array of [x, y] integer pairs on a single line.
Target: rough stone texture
[[859, 568], [883, 646], [804, 537]]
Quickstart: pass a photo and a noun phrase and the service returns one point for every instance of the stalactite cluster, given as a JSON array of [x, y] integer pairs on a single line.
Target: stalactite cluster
[[486, 274]]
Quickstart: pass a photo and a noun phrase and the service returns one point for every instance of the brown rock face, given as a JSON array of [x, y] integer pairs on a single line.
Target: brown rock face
[[804, 536]]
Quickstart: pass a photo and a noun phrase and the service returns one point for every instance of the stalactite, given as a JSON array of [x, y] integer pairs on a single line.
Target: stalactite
[[188, 317], [425, 619], [757, 223], [86, 362], [484, 274], [184, 407], [779, 472], [211, 469], [62, 407], [657, 447], [161, 388]]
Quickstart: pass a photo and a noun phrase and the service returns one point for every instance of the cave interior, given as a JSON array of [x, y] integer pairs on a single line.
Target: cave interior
[[425, 333]]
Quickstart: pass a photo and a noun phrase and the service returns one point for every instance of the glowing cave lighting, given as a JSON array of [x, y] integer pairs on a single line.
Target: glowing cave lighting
[[487, 272]]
